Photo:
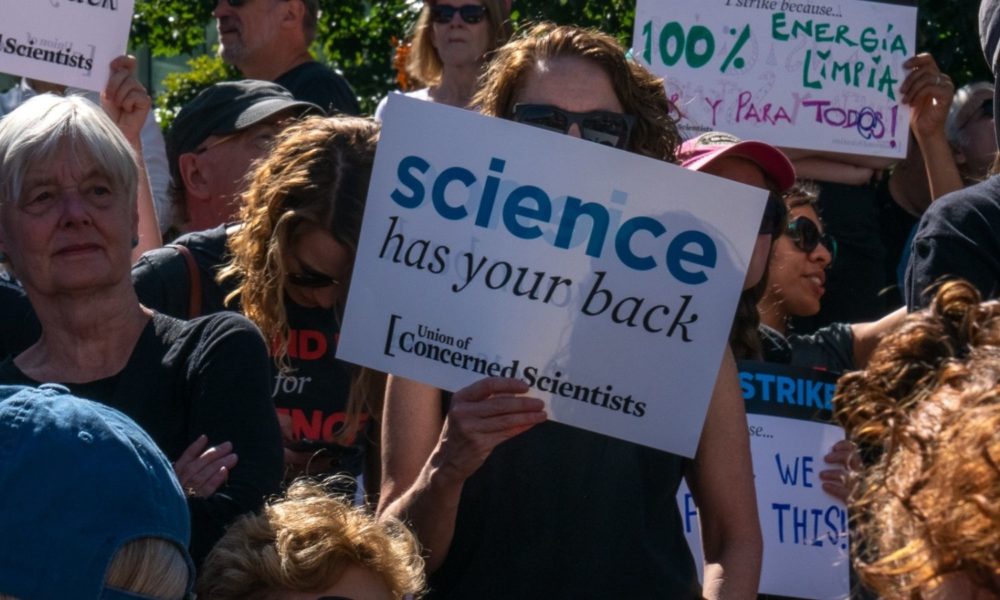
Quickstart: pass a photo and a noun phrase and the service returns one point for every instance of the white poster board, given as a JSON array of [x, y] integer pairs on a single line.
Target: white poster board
[[806, 552], [820, 75], [606, 280], [70, 42]]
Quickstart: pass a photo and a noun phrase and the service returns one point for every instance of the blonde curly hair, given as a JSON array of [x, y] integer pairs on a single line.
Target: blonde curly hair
[[304, 542], [640, 92], [927, 413]]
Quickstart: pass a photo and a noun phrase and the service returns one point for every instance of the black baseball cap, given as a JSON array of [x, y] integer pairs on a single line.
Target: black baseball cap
[[228, 107]]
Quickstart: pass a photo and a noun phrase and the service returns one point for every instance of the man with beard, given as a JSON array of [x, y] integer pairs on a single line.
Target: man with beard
[[269, 40]]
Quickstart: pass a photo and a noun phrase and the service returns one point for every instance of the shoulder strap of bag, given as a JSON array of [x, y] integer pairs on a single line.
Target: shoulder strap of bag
[[194, 280]]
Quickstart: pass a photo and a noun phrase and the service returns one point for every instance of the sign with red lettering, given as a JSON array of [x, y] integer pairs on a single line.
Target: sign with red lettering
[[814, 75]]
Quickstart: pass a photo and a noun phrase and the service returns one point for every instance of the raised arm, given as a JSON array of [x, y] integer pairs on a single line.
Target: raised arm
[[426, 456], [128, 104], [721, 482], [926, 175]]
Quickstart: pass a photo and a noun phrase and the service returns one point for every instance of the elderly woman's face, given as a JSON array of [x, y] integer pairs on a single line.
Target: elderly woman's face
[[71, 227]]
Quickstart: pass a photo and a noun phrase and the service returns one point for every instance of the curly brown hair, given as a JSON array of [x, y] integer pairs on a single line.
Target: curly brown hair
[[640, 92], [316, 175], [423, 63], [927, 507], [304, 542]]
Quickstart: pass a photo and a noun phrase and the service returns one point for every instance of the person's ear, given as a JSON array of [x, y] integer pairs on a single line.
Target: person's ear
[[293, 14], [192, 177]]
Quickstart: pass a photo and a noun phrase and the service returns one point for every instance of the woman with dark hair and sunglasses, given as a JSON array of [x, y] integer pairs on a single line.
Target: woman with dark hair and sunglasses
[[760, 165], [795, 286], [451, 42], [509, 505]]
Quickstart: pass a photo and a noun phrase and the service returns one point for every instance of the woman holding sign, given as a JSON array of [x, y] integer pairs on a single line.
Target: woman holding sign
[[509, 505], [451, 41]]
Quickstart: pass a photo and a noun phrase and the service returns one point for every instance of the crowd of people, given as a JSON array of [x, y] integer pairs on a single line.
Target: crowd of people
[[174, 420]]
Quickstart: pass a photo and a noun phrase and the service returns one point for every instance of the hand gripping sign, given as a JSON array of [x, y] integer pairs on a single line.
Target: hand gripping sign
[[605, 280], [69, 42], [818, 75]]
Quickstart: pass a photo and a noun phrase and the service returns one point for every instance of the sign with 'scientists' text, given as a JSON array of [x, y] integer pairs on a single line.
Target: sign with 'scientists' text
[[605, 280], [68, 42], [815, 75]]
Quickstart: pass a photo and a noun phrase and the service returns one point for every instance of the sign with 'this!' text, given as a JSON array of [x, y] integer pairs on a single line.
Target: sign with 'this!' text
[[805, 530]]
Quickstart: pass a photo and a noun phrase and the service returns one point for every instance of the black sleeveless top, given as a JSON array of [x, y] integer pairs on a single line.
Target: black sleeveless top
[[559, 512]]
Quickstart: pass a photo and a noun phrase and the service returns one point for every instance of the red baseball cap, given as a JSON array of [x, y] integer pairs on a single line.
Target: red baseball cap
[[698, 153]]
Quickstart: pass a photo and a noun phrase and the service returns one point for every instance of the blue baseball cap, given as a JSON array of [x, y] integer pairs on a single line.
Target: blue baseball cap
[[79, 480]]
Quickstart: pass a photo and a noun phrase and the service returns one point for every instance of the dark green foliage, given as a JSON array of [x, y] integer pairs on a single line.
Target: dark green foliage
[[180, 88], [950, 31], [356, 36]]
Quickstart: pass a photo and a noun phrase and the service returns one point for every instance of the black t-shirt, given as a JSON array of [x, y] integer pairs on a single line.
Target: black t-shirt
[[188, 378], [830, 348], [321, 85], [19, 327], [958, 237], [559, 512], [163, 283], [313, 392]]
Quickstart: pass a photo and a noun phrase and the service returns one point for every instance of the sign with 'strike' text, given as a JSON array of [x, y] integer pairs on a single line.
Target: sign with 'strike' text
[[605, 280], [69, 42], [815, 75], [789, 416]]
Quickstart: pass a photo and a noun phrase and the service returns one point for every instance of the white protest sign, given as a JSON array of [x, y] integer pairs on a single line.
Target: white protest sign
[[605, 280], [70, 42], [806, 551], [820, 75]]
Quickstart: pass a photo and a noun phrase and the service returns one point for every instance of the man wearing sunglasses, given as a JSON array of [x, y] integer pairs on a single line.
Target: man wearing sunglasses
[[269, 40], [959, 235]]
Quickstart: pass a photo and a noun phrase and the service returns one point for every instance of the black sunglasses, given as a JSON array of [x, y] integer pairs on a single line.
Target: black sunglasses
[[604, 127], [806, 236], [470, 13], [775, 213], [312, 279]]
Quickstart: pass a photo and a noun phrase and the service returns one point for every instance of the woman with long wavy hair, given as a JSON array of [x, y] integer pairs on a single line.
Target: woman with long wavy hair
[[286, 265], [509, 505], [290, 268]]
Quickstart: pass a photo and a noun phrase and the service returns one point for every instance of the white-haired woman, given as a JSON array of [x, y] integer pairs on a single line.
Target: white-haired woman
[[68, 224]]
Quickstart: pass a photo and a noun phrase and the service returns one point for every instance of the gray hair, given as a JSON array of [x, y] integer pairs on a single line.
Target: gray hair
[[965, 102], [35, 132]]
